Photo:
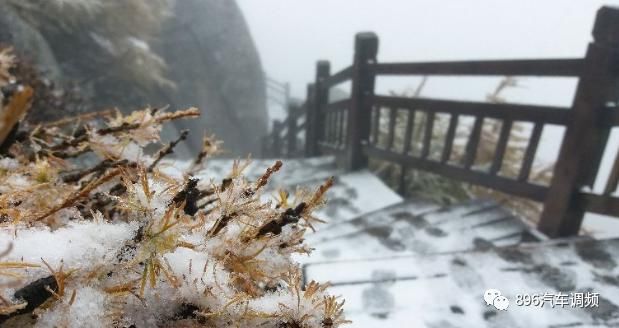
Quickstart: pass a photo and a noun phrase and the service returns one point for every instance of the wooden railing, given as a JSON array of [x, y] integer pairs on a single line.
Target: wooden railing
[[284, 139], [349, 129]]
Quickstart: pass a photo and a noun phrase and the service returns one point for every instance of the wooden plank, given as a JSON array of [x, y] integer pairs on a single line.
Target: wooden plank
[[473, 143], [339, 77], [514, 112], [427, 135], [536, 67], [391, 129], [599, 204], [613, 178], [506, 185], [501, 147], [449, 138], [408, 134], [529, 155]]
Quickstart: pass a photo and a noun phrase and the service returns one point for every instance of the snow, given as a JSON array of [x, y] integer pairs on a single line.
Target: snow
[[397, 264], [8, 164], [447, 290], [86, 310], [79, 245], [416, 228]]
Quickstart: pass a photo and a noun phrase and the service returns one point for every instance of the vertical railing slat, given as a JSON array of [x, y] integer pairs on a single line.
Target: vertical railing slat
[[473, 143], [501, 147], [529, 155], [391, 129], [427, 137], [408, 134], [449, 138]]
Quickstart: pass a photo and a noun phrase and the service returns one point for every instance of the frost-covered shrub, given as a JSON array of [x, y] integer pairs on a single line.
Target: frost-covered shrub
[[124, 244]]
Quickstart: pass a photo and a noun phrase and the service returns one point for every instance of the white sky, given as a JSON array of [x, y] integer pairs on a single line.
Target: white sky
[[291, 35]]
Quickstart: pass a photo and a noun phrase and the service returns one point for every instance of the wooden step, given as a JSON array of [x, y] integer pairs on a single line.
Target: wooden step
[[418, 228], [446, 290], [354, 194]]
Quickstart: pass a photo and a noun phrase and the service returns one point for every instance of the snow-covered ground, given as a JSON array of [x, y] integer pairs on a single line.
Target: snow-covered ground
[[447, 290], [397, 263]]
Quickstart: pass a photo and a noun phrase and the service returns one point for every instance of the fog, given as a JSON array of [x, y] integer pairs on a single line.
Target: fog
[[292, 35]]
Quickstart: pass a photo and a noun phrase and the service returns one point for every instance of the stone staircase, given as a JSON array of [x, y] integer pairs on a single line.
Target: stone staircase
[[409, 263]]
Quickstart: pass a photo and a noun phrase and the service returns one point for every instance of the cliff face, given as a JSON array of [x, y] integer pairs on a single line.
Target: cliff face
[[135, 53], [212, 58]]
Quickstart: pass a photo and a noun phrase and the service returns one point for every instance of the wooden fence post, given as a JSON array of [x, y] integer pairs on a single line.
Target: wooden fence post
[[360, 112], [585, 137], [291, 134], [310, 140], [320, 97]]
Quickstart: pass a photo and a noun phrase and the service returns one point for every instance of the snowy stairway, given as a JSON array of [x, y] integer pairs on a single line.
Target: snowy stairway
[[353, 194], [415, 264], [446, 290], [411, 228]]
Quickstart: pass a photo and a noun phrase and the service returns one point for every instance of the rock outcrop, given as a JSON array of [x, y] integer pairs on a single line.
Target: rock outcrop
[[135, 53], [212, 59]]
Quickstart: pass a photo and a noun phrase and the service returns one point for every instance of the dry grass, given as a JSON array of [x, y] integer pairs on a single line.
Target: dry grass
[[248, 279]]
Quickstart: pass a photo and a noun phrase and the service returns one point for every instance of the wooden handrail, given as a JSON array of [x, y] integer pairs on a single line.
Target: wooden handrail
[[339, 77], [536, 67], [599, 204], [515, 112]]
